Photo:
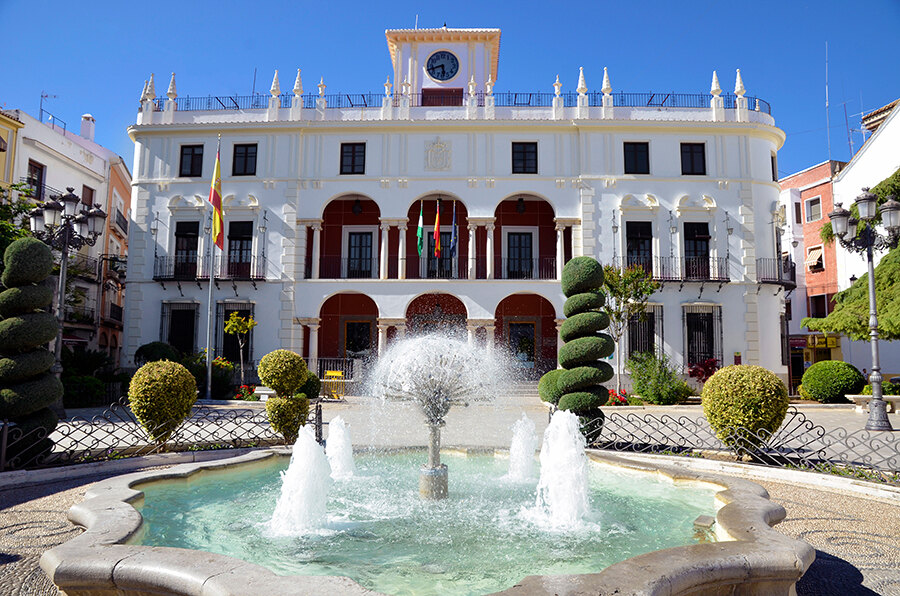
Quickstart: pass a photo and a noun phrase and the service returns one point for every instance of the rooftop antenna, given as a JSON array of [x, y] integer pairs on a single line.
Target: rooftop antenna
[[417, 21], [253, 91], [827, 121], [847, 124]]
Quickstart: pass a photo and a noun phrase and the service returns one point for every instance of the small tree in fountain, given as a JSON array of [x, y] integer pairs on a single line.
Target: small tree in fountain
[[240, 327], [627, 291]]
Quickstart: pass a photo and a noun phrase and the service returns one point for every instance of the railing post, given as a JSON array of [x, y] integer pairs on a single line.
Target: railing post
[[3, 438], [318, 423]]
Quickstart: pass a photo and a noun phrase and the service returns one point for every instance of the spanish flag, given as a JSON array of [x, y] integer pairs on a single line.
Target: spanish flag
[[437, 230], [215, 198]]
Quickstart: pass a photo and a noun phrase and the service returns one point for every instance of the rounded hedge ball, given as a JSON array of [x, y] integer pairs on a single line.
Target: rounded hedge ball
[[548, 388], [585, 350], [582, 401], [161, 395], [744, 404], [830, 381], [582, 377], [581, 274], [582, 325], [26, 261], [24, 299], [283, 371], [583, 302]]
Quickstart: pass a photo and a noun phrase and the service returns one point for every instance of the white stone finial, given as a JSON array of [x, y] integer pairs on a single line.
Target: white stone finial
[[298, 85], [557, 86], [489, 85], [151, 87], [171, 93], [715, 89], [582, 85], [145, 96], [321, 87], [472, 85], [739, 85], [275, 89], [387, 87], [607, 87]]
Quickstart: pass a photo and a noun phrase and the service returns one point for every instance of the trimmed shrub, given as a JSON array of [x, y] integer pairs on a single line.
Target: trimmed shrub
[[744, 404], [580, 377], [582, 325], [583, 303], [886, 389], [287, 415], [283, 371], [655, 380], [161, 395], [21, 399], [548, 388], [28, 331], [83, 391], [18, 367], [25, 299], [27, 261], [583, 401], [585, 350], [156, 351], [830, 381], [580, 275], [312, 388], [803, 393], [222, 375]]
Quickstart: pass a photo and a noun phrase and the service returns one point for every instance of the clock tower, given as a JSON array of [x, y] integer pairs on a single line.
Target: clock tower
[[440, 63]]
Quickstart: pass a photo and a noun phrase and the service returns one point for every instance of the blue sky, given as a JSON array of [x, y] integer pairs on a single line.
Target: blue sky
[[94, 55]]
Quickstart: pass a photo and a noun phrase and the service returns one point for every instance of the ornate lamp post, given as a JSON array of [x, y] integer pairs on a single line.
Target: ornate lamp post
[[866, 240], [63, 223]]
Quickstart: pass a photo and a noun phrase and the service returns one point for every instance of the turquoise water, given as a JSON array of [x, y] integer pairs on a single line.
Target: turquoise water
[[485, 537]]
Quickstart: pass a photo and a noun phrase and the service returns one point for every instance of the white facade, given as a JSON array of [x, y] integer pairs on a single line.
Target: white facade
[[581, 198]]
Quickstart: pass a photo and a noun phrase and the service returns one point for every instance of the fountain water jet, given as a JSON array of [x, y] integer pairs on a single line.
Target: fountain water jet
[[304, 489], [521, 449], [562, 492], [339, 449], [436, 372]]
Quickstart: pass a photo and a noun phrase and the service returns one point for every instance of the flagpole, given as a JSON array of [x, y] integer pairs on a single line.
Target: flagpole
[[212, 274]]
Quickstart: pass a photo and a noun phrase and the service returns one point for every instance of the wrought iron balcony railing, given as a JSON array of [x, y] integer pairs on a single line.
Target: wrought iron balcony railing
[[190, 267], [777, 270], [540, 268], [679, 268], [81, 315], [331, 267], [122, 221], [114, 312]]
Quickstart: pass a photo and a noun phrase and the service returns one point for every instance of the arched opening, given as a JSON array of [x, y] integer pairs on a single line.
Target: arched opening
[[524, 238], [348, 327], [350, 239], [526, 327], [436, 313], [453, 262]]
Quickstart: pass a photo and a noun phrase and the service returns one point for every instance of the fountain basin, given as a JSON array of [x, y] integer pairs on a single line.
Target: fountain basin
[[753, 558]]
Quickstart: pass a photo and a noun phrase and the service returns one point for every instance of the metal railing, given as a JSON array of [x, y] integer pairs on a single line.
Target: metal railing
[[121, 221], [40, 192], [679, 268], [228, 267], [347, 268], [83, 266], [81, 315], [776, 270], [191, 267], [704, 269], [114, 312], [512, 99], [352, 368], [540, 268]]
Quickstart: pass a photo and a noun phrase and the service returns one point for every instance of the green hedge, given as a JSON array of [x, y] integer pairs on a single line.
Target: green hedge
[[742, 402], [830, 381], [26, 261], [312, 388], [26, 332], [156, 351], [580, 275], [580, 377], [20, 399], [82, 391], [548, 388], [886, 389], [18, 367], [583, 302], [585, 350], [24, 299], [582, 325], [161, 395], [283, 371], [287, 415], [582, 401]]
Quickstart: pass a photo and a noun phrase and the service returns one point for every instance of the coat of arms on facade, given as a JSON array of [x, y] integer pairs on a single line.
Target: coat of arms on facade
[[437, 155]]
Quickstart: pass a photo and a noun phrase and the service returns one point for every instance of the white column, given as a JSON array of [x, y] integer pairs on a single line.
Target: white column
[[301, 334], [559, 341], [489, 251], [472, 253], [314, 347], [383, 261], [401, 253], [300, 263], [382, 338], [560, 249], [471, 329], [317, 233], [489, 341], [401, 330]]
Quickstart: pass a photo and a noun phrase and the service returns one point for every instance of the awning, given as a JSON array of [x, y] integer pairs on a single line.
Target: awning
[[814, 256]]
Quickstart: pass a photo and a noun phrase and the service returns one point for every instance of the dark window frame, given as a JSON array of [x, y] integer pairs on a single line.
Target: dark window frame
[[524, 157], [353, 159], [693, 159], [242, 162], [190, 164], [637, 157], [85, 191], [639, 245]]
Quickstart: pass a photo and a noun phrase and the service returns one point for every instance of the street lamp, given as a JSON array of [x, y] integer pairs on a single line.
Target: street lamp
[[63, 223], [864, 241]]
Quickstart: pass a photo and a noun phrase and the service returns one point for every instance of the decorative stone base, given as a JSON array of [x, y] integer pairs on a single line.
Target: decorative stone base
[[433, 483]]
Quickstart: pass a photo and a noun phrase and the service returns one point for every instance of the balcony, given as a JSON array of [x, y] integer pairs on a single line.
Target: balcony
[[83, 266], [347, 268], [79, 315], [775, 270], [40, 192], [541, 268], [680, 269], [190, 268], [122, 222], [114, 312], [240, 269]]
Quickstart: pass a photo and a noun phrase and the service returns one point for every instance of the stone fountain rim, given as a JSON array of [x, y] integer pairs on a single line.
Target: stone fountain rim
[[100, 561]]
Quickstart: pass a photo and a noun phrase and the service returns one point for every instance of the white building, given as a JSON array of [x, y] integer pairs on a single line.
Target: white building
[[322, 195]]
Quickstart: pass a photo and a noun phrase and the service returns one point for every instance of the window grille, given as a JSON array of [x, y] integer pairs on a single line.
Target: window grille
[[227, 345], [178, 325], [702, 333], [645, 333]]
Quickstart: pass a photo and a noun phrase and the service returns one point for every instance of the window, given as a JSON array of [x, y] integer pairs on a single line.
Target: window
[[227, 344], [798, 211], [639, 245], [240, 249], [813, 209], [645, 331], [788, 310], [785, 341], [524, 158], [818, 306], [442, 97], [522, 344], [702, 333], [357, 339], [35, 179], [178, 326], [637, 158], [520, 253], [693, 159], [440, 267], [774, 168], [696, 250], [185, 261], [87, 196], [359, 261], [243, 162], [815, 260], [191, 161], [353, 158]]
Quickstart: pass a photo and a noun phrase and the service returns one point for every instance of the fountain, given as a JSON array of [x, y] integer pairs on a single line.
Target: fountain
[[339, 449], [436, 372], [304, 493], [562, 492], [521, 450]]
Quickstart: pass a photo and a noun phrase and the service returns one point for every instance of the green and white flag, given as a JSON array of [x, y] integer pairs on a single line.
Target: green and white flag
[[420, 233]]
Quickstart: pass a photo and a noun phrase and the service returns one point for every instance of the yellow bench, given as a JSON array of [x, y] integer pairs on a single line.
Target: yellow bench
[[334, 384]]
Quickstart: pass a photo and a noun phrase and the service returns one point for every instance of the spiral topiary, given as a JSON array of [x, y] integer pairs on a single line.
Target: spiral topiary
[[283, 371], [577, 387], [744, 404], [830, 381], [161, 395], [27, 387]]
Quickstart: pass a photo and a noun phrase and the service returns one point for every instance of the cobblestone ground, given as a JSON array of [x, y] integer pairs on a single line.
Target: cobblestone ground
[[858, 540]]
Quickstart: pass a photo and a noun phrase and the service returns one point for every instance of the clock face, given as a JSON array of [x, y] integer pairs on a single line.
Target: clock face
[[442, 65]]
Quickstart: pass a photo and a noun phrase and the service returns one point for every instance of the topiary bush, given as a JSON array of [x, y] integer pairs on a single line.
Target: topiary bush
[[154, 352], [161, 395], [744, 404], [287, 415], [312, 388], [283, 371], [656, 380], [830, 381], [27, 388], [577, 386], [222, 374], [886, 389]]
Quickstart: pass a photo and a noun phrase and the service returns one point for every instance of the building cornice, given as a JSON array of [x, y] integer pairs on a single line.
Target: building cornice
[[47, 149], [396, 37]]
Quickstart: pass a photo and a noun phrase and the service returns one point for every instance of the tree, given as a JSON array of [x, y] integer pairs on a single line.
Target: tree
[[889, 187], [627, 291], [850, 316], [15, 202], [240, 327]]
